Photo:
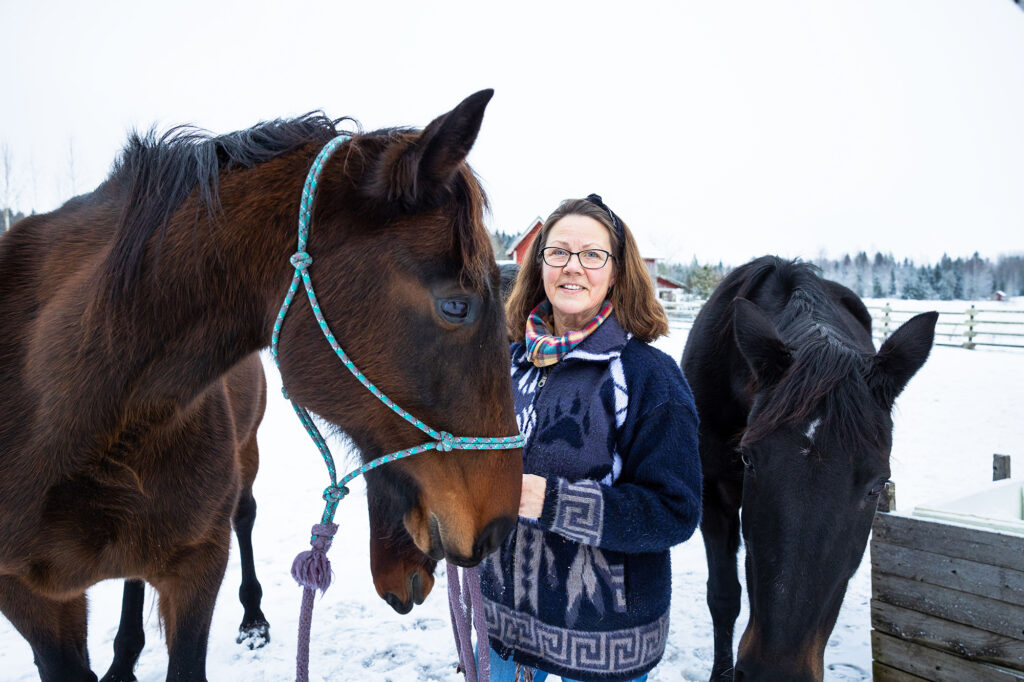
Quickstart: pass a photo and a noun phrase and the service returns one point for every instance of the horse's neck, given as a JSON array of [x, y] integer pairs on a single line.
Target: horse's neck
[[214, 292], [202, 304]]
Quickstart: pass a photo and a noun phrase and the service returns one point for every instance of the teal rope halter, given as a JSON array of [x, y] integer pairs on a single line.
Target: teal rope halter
[[311, 568]]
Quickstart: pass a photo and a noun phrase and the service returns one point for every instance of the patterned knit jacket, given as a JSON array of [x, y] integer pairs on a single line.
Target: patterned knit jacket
[[584, 591]]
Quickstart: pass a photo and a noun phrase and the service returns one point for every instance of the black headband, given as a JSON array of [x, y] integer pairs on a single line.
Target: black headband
[[620, 231]]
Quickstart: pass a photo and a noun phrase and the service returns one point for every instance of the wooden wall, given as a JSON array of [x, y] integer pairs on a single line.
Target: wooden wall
[[947, 602]]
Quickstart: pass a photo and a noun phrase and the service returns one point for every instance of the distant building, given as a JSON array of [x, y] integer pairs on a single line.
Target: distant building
[[668, 289], [521, 246], [1000, 296]]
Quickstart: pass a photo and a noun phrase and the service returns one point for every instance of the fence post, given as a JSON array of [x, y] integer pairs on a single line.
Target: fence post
[[1000, 467], [887, 500], [885, 321], [970, 333]]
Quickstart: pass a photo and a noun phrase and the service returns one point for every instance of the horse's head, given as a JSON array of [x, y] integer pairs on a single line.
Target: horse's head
[[816, 456], [406, 280]]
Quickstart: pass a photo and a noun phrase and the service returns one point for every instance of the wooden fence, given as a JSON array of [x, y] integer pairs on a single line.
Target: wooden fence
[[682, 313], [947, 598], [968, 327]]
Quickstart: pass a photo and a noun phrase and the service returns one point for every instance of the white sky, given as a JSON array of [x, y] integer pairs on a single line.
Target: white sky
[[721, 130]]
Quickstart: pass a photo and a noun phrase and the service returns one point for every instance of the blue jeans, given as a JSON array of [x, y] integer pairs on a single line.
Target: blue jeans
[[505, 671]]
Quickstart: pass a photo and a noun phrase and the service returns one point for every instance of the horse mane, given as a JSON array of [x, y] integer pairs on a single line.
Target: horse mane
[[156, 175], [827, 373]]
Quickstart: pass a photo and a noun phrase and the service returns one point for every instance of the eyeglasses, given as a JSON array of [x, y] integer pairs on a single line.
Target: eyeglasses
[[591, 259]]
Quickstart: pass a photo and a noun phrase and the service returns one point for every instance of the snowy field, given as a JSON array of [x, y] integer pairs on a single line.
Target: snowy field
[[960, 409]]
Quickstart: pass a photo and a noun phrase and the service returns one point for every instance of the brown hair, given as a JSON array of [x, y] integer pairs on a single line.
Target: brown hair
[[636, 307]]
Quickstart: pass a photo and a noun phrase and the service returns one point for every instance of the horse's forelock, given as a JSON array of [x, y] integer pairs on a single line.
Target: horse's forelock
[[826, 375], [469, 238]]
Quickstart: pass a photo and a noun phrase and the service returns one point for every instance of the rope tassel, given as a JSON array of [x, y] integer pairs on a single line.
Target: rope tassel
[[312, 568]]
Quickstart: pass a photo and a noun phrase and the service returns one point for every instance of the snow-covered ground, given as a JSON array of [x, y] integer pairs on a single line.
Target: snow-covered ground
[[960, 409]]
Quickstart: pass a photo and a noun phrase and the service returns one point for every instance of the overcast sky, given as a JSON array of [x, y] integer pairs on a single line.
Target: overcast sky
[[721, 130]]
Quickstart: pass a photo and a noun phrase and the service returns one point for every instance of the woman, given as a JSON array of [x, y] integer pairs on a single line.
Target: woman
[[611, 473]]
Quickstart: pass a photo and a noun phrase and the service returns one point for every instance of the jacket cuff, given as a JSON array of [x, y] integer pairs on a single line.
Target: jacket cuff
[[574, 510]]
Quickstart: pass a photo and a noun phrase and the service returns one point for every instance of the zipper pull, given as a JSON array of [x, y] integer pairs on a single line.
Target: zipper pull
[[543, 378]]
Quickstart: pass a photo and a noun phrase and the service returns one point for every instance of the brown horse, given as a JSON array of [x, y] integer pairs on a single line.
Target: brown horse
[[133, 316]]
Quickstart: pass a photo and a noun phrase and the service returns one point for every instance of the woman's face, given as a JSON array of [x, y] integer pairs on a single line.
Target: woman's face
[[577, 293]]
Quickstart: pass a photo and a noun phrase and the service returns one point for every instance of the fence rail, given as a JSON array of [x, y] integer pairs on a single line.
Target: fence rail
[[968, 327]]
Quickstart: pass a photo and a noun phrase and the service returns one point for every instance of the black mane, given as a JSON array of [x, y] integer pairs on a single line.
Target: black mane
[[157, 174], [827, 376]]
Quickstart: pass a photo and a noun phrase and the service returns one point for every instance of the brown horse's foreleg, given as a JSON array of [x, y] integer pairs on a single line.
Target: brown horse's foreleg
[[130, 636], [188, 590], [56, 631], [254, 631]]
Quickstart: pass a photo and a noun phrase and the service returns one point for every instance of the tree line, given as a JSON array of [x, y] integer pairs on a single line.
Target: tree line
[[883, 276]]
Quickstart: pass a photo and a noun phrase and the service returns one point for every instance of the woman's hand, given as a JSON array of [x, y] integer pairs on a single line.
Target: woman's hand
[[531, 502]]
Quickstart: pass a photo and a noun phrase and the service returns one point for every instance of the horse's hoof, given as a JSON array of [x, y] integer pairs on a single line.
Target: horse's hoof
[[254, 635], [113, 676]]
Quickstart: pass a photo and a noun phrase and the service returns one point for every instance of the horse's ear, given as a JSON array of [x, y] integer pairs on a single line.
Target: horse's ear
[[900, 357], [427, 167], [759, 343]]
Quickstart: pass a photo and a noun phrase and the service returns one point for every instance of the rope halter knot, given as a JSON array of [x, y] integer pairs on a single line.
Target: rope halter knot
[[445, 442], [301, 261], [335, 493]]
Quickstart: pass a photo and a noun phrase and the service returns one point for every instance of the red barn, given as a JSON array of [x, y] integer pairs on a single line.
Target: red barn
[[517, 252]]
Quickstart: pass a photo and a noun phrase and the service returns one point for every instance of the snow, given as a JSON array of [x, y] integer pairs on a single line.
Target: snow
[[960, 409]]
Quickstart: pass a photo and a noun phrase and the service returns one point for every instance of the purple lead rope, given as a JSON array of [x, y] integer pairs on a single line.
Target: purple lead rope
[[461, 603], [312, 570]]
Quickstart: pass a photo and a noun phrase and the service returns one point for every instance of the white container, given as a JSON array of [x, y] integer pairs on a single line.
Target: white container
[[1000, 508]]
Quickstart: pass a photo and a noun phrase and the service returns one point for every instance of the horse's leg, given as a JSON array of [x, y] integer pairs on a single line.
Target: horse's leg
[[188, 590], [56, 631], [720, 527], [254, 631], [130, 636]]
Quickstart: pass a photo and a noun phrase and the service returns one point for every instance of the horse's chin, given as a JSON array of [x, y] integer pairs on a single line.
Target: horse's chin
[[417, 586]]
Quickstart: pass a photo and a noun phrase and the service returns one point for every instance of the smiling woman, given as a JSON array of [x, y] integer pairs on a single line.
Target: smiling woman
[[611, 475]]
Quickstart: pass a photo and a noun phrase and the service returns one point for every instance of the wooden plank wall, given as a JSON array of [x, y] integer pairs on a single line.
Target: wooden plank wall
[[947, 602]]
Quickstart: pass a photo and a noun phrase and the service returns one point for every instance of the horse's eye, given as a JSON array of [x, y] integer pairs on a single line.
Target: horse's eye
[[455, 310], [877, 490], [747, 462]]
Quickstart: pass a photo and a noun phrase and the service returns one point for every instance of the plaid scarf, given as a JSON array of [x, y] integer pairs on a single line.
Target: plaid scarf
[[543, 347]]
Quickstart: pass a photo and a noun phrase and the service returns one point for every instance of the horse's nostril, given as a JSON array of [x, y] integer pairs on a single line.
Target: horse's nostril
[[416, 588], [491, 537]]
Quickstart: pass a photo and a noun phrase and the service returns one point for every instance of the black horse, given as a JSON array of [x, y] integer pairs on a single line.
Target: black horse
[[796, 430]]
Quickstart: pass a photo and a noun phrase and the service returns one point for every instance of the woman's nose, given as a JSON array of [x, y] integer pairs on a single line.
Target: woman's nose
[[574, 264]]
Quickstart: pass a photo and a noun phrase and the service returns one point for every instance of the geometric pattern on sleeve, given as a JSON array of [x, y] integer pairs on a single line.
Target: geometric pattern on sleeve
[[579, 513]]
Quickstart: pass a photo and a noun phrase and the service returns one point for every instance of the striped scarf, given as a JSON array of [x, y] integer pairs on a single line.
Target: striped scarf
[[543, 347]]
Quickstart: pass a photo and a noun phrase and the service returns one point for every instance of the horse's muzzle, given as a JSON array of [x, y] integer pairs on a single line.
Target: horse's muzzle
[[489, 539]]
